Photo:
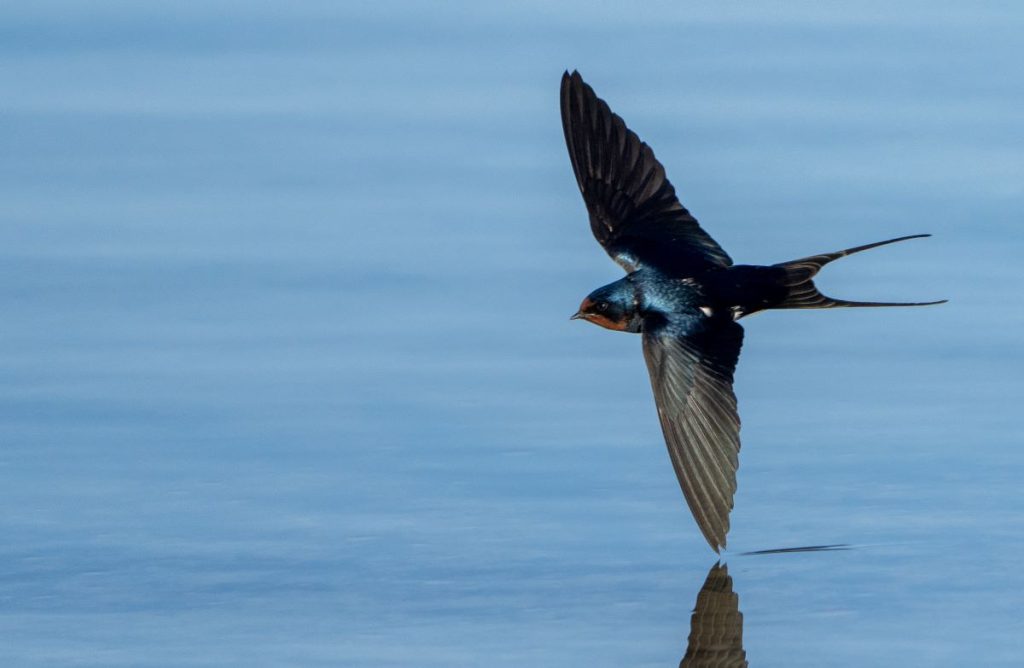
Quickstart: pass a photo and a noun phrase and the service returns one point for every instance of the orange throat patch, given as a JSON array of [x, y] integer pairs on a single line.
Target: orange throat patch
[[607, 323]]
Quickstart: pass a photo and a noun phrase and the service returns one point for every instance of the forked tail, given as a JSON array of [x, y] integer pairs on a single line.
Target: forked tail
[[802, 293]]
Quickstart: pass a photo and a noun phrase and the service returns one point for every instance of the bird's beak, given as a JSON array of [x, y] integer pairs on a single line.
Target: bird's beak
[[580, 314]]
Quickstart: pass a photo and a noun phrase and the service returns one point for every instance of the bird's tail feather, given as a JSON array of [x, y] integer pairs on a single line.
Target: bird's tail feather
[[802, 293]]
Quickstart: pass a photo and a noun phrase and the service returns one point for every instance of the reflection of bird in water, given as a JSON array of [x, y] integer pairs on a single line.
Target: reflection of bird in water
[[683, 293], [716, 628]]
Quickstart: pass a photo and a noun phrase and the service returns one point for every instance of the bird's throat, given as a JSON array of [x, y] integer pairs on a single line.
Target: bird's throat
[[607, 323]]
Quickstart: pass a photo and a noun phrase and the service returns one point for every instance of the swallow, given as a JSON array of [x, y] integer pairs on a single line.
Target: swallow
[[682, 294]]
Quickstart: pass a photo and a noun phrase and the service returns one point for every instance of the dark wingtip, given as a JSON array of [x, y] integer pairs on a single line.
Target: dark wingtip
[[572, 78], [571, 81]]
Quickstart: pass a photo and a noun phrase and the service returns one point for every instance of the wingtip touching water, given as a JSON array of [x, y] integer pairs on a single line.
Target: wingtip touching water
[[683, 294]]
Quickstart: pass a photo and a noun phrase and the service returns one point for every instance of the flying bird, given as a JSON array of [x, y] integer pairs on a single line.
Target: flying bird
[[683, 294]]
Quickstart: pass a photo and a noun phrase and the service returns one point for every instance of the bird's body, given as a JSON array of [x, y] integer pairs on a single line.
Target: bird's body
[[682, 293]]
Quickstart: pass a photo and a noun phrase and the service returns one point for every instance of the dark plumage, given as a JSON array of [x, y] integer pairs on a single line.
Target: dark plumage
[[682, 293]]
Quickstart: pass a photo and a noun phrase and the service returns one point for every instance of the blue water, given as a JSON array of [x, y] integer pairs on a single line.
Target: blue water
[[287, 375]]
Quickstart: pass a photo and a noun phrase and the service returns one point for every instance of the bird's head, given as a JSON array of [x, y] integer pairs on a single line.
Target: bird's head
[[612, 307]]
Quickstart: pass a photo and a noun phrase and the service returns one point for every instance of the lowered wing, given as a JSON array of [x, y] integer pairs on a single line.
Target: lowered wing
[[691, 362]]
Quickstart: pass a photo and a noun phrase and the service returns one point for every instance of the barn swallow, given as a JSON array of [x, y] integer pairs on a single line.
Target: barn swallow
[[683, 294]]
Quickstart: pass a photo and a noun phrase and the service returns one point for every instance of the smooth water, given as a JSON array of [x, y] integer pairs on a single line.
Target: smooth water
[[286, 369]]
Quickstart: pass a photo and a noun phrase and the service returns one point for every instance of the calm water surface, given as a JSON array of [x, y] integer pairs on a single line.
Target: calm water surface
[[286, 369]]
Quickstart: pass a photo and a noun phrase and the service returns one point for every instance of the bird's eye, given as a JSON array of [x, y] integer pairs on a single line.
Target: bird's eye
[[602, 306]]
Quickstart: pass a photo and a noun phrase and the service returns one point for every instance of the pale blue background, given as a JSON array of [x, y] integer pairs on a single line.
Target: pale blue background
[[286, 374]]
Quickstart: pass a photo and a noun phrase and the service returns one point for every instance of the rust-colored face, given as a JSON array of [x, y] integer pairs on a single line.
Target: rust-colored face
[[602, 313]]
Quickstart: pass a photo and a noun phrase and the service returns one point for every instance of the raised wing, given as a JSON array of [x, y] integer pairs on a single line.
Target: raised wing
[[716, 628], [633, 208], [691, 361]]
